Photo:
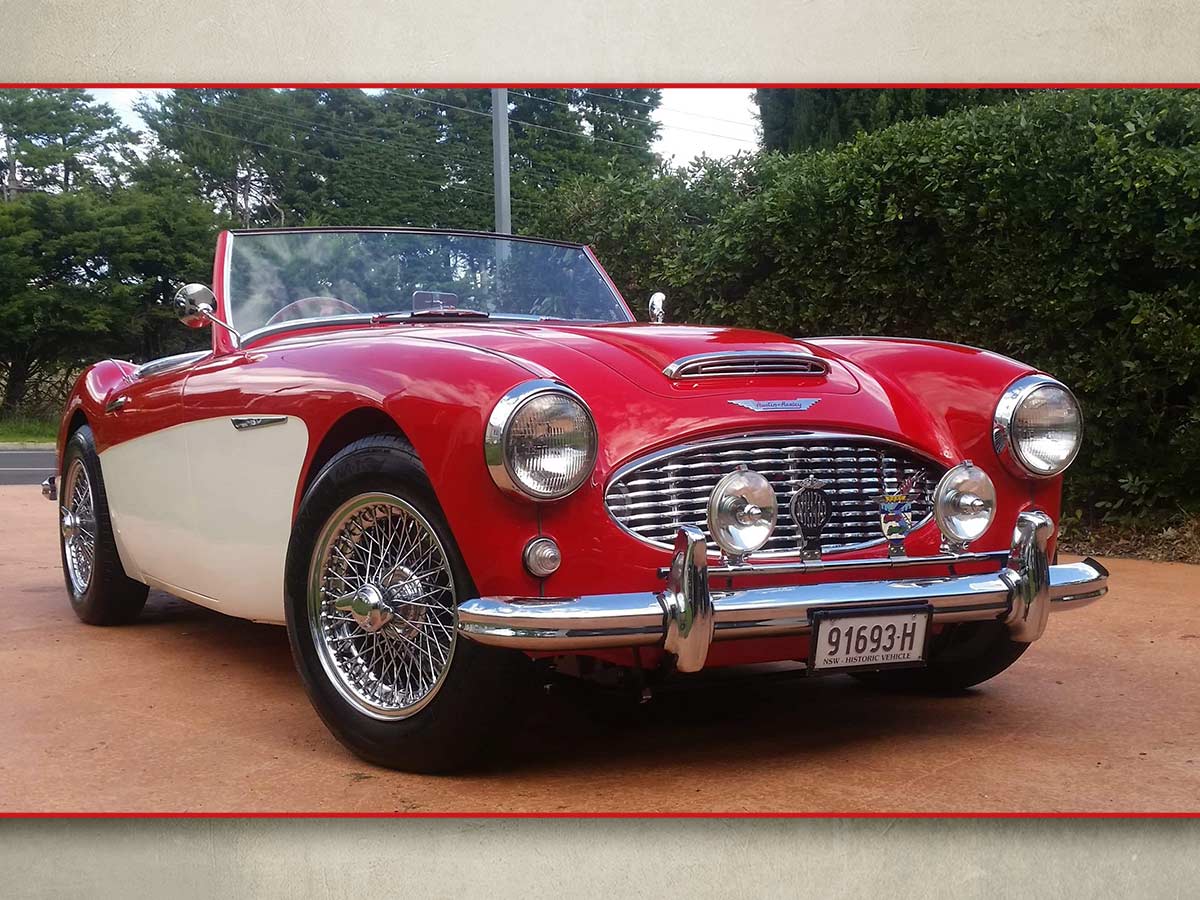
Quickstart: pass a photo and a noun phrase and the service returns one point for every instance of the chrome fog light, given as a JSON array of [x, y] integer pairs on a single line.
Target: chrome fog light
[[542, 557], [741, 512], [964, 503]]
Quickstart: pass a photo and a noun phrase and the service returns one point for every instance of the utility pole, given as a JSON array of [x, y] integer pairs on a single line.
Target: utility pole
[[500, 160]]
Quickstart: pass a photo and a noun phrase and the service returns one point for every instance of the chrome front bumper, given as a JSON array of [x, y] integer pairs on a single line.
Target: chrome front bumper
[[686, 617]]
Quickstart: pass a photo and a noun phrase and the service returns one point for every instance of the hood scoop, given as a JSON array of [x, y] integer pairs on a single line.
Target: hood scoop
[[745, 364]]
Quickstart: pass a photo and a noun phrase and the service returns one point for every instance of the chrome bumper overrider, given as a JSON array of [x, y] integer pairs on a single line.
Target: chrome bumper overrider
[[686, 618]]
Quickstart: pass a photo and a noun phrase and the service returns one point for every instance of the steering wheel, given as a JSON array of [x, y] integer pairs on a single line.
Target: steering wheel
[[312, 308]]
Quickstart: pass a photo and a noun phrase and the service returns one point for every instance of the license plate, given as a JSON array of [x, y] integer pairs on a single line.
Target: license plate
[[869, 640]]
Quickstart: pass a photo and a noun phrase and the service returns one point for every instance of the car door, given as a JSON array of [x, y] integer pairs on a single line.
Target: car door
[[143, 458], [245, 447]]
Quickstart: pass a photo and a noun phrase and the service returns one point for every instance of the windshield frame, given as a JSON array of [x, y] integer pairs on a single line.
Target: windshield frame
[[398, 318]]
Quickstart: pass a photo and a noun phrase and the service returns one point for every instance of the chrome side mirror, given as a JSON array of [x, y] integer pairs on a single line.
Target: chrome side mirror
[[196, 305], [658, 307]]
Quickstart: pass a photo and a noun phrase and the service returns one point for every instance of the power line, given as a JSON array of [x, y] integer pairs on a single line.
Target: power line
[[651, 106], [728, 137], [483, 171], [434, 148], [488, 115], [343, 163]]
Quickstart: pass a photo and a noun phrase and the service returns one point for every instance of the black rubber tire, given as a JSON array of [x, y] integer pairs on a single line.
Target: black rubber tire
[[112, 597], [467, 718], [963, 655]]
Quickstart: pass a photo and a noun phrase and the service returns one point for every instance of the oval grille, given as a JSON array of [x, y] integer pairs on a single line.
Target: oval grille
[[745, 364], [652, 497]]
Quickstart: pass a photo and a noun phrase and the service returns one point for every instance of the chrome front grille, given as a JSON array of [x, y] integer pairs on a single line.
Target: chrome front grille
[[653, 496], [745, 364]]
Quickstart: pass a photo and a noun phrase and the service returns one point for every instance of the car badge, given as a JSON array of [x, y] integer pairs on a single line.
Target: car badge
[[811, 510], [800, 403], [896, 514]]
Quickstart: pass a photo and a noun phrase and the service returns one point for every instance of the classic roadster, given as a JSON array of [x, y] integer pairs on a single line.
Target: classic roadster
[[442, 458]]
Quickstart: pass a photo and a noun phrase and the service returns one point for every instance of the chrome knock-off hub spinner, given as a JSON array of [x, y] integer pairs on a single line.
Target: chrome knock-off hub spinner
[[368, 606], [70, 524]]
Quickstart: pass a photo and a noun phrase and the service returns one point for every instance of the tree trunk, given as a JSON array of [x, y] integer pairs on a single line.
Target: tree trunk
[[10, 158], [16, 386]]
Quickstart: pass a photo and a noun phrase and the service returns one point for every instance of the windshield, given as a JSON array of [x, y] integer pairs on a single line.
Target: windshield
[[277, 277]]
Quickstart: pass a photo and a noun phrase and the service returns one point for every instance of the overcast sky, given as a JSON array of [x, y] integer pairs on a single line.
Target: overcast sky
[[713, 121]]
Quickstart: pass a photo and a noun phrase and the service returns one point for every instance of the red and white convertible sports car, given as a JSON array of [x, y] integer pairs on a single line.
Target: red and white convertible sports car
[[441, 458]]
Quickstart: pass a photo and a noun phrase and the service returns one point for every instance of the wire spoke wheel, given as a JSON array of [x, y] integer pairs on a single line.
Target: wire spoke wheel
[[381, 606], [77, 522]]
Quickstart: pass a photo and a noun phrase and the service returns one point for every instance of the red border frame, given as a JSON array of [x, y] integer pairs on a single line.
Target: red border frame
[[599, 815], [1026, 85], [1046, 85]]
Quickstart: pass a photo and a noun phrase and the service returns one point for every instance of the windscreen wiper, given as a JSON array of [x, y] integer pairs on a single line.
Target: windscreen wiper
[[443, 313]]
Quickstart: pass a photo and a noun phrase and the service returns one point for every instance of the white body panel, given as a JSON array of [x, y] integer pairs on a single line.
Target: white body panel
[[204, 511], [149, 499]]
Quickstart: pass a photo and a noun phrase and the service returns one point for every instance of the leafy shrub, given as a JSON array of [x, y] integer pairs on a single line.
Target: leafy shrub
[[1062, 229]]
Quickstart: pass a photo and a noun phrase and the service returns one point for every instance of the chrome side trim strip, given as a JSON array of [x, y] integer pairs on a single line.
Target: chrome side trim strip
[[169, 363], [242, 423]]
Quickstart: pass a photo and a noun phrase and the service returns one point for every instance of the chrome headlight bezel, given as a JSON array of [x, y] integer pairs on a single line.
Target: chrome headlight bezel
[[1010, 403], [495, 440]]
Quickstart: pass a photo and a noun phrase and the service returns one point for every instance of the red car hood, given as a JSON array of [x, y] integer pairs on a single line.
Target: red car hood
[[937, 398], [641, 352]]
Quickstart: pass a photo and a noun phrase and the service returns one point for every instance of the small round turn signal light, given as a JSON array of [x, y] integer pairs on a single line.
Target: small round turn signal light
[[542, 557]]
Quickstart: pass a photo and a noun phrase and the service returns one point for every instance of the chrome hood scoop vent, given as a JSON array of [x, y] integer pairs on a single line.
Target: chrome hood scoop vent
[[745, 364]]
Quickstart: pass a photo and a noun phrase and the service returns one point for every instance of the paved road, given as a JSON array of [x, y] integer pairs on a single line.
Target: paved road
[[191, 710], [25, 466]]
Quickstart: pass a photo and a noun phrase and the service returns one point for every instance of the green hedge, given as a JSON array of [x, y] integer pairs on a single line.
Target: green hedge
[[1062, 229]]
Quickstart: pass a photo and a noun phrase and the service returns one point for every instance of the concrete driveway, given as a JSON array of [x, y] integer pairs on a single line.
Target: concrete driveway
[[189, 710]]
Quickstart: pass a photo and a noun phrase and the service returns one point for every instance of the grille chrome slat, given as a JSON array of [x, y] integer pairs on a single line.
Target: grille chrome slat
[[652, 497]]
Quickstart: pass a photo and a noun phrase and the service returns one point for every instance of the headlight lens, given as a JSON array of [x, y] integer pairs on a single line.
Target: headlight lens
[[964, 503], [1038, 426], [741, 512], [540, 441]]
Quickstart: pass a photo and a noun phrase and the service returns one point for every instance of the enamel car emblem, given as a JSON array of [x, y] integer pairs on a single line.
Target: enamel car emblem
[[811, 510], [800, 403], [896, 515]]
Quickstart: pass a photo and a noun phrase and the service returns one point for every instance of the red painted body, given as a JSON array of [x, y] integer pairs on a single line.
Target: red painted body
[[438, 382]]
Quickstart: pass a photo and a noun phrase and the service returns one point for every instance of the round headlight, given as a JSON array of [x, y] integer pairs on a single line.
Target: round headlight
[[540, 441], [741, 512], [1038, 427], [964, 503]]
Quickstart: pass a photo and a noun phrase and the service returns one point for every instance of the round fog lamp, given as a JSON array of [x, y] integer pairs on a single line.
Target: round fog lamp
[[741, 512], [964, 503]]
